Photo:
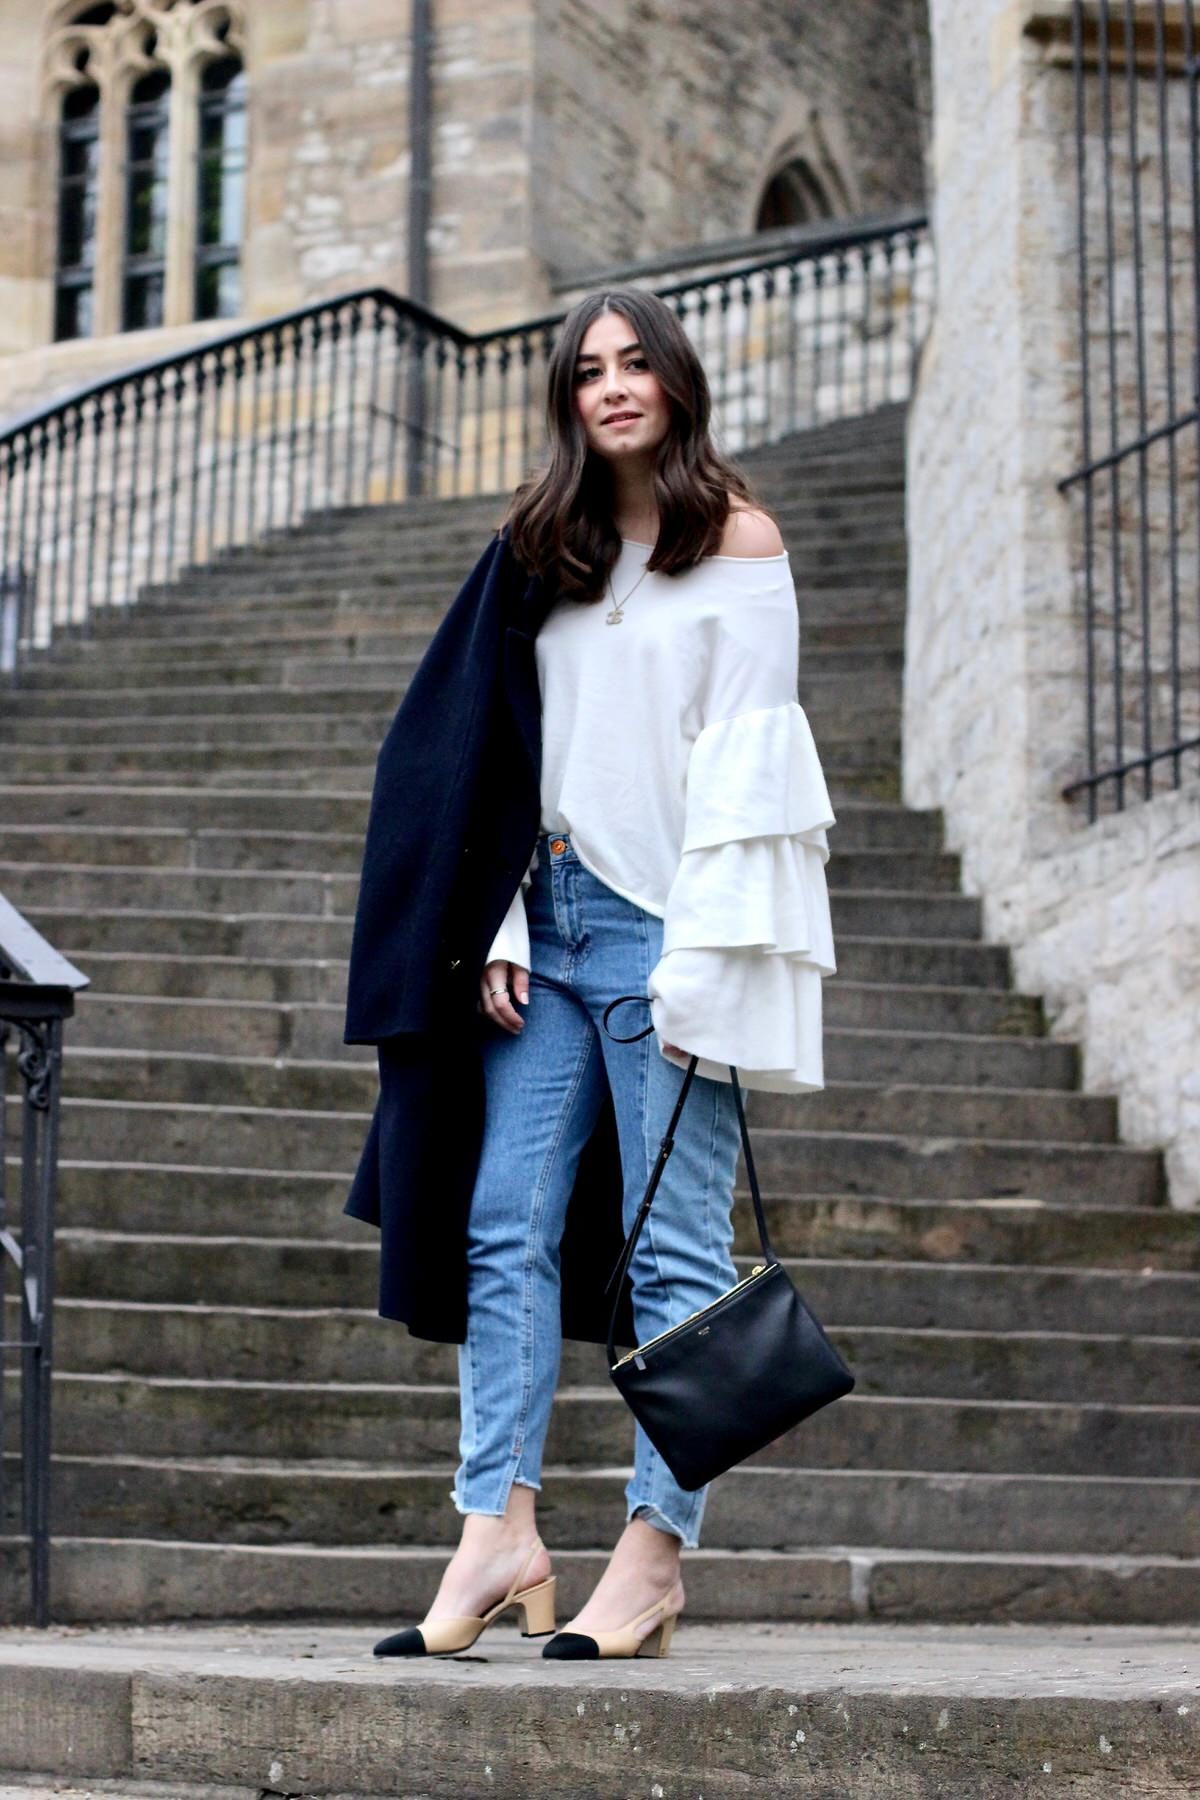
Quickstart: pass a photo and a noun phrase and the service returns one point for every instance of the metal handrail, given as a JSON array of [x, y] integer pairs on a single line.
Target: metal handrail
[[111, 490], [37, 995]]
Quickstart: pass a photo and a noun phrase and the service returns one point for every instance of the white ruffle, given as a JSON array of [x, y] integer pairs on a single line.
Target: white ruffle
[[754, 893], [747, 933], [756, 774]]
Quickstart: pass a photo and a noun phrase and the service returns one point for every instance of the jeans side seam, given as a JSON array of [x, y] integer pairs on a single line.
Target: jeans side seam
[[535, 1217]]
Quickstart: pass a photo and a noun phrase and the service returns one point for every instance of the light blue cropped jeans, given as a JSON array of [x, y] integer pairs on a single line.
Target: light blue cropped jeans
[[545, 1086]]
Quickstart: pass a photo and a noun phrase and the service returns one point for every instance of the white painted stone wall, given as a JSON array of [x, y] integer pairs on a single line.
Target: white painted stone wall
[[1104, 918]]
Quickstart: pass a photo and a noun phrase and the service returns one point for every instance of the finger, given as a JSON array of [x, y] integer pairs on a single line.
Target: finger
[[499, 1006]]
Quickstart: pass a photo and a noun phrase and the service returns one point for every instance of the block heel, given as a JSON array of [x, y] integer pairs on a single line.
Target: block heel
[[537, 1607]]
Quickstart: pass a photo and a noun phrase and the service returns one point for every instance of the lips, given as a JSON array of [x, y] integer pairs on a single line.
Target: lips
[[619, 418]]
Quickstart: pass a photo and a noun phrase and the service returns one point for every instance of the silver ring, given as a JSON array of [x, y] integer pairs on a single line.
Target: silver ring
[[502, 990]]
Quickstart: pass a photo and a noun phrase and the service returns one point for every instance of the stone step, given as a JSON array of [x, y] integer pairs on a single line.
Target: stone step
[[873, 962], [804, 524], [842, 1105], [153, 1198], [854, 571], [193, 934], [294, 1342], [737, 1709], [161, 1416], [300, 768], [888, 912], [880, 1052], [174, 1077], [291, 768], [333, 687], [809, 540], [452, 517], [266, 655], [858, 586], [209, 848], [196, 1269], [860, 824], [385, 665], [880, 1041], [238, 733], [283, 1501], [877, 622]]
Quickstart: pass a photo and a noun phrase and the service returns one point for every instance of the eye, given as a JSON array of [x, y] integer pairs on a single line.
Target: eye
[[635, 362]]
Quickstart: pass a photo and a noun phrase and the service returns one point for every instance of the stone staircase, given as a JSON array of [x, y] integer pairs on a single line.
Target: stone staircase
[[238, 1435]]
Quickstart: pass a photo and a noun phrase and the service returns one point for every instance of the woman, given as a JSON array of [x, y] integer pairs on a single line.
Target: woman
[[681, 855]]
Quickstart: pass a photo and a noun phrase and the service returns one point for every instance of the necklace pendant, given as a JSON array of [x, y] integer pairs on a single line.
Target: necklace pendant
[[613, 618]]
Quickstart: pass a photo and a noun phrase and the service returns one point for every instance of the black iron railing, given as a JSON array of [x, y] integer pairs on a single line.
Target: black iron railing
[[37, 993], [1138, 212], [368, 397]]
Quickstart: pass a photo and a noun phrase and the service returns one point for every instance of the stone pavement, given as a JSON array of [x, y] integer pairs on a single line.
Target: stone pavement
[[840, 1712]]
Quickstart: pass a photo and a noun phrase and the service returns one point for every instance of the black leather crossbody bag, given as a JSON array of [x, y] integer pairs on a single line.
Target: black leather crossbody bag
[[736, 1375]]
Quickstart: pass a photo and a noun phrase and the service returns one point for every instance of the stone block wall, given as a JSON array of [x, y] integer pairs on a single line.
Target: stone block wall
[[657, 126], [1103, 918]]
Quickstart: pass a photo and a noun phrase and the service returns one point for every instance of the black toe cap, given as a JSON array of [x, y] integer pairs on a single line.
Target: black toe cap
[[402, 1643], [572, 1646]]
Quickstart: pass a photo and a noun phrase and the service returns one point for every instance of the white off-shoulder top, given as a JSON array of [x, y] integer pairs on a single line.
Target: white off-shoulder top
[[676, 755]]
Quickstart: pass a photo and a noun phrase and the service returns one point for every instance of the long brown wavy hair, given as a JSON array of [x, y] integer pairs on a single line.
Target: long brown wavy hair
[[560, 518]]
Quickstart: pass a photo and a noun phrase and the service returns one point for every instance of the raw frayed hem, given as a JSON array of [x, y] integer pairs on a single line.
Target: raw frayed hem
[[492, 1512], [654, 1515]]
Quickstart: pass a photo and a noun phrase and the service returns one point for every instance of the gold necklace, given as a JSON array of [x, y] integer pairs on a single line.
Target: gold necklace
[[617, 614]]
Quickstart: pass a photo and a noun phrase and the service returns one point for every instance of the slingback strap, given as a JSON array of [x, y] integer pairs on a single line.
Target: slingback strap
[[666, 1145], [519, 1578]]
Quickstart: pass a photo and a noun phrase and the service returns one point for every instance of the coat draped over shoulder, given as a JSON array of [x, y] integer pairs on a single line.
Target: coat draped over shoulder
[[454, 817]]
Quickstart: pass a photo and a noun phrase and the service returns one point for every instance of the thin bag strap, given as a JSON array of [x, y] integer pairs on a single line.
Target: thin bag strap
[[667, 1144]]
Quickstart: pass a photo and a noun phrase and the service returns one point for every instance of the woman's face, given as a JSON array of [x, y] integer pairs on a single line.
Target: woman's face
[[624, 410]]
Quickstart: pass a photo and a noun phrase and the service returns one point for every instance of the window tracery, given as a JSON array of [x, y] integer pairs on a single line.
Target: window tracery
[[148, 100]]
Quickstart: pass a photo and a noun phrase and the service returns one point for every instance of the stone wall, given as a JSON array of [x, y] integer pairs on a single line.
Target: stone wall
[[657, 126], [1103, 918]]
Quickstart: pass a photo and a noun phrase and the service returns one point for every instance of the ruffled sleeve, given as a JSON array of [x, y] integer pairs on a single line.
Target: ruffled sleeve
[[511, 942], [747, 935]]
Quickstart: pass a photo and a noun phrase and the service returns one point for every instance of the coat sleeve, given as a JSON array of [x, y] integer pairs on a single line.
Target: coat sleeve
[[511, 942], [747, 935]]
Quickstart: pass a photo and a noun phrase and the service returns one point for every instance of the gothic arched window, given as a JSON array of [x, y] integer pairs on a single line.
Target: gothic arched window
[[221, 170], [794, 196], [149, 102], [79, 152], [147, 128]]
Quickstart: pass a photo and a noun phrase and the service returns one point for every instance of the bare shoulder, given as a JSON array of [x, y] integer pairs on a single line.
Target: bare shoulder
[[750, 532]]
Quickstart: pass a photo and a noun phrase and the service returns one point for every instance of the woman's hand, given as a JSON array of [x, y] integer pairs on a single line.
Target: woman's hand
[[673, 1049], [499, 1007]]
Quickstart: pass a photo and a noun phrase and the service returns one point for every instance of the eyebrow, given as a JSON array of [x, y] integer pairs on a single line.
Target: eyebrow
[[591, 356]]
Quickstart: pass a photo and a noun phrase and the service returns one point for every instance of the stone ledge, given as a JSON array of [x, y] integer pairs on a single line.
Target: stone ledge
[[812, 1710]]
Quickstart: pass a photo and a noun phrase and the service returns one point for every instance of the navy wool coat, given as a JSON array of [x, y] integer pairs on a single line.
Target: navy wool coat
[[455, 814]]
